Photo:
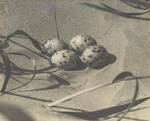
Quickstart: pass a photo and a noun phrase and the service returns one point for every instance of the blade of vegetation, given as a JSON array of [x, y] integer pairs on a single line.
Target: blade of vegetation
[[134, 5], [127, 76], [138, 4], [123, 76], [76, 94], [16, 70], [36, 44], [91, 89], [132, 102], [29, 49], [4, 46], [7, 66], [15, 53], [117, 12], [34, 72], [130, 14], [60, 80]]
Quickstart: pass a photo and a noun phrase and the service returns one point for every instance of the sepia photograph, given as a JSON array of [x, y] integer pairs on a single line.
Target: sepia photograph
[[74, 60]]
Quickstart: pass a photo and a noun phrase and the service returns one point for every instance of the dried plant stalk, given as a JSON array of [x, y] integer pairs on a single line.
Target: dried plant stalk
[[76, 94]]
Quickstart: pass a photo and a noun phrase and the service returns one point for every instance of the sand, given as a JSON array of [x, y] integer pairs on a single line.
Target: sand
[[127, 41]]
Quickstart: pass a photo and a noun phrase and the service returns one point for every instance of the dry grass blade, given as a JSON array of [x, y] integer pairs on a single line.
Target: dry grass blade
[[132, 102], [34, 64], [123, 76], [7, 66], [120, 77], [76, 94], [96, 115], [5, 41], [15, 53], [4, 46], [124, 13], [29, 49], [36, 44], [16, 70], [127, 76], [92, 88], [106, 8], [138, 4]]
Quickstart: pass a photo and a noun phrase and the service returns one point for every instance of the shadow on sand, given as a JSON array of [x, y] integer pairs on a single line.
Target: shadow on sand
[[94, 115]]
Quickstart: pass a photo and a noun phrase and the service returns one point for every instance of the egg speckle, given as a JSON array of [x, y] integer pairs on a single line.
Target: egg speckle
[[81, 42], [53, 45], [94, 56], [65, 59]]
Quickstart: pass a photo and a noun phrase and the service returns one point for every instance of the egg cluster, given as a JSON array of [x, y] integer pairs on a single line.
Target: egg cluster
[[82, 49]]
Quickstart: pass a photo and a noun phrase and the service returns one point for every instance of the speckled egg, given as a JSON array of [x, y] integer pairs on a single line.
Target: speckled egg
[[65, 59], [94, 56], [53, 45], [81, 42]]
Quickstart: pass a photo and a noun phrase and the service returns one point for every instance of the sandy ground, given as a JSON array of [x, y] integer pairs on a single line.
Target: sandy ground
[[127, 40]]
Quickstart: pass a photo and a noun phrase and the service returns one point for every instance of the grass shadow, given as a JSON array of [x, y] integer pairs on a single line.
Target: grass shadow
[[94, 115], [138, 4], [80, 66], [60, 80], [109, 9], [123, 76]]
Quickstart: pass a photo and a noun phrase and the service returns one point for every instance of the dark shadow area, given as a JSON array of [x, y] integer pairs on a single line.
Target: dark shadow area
[[133, 110], [28, 97], [102, 113], [60, 80], [127, 76], [81, 66], [14, 113], [107, 117], [109, 9], [122, 76], [111, 59]]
